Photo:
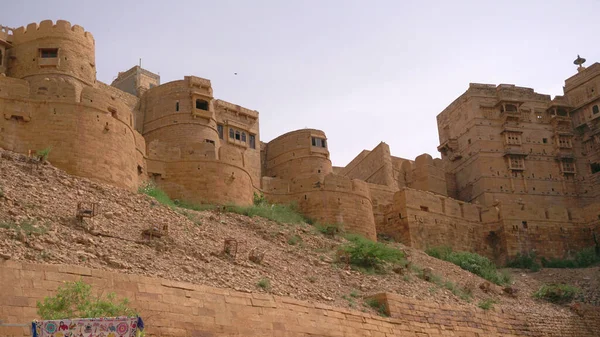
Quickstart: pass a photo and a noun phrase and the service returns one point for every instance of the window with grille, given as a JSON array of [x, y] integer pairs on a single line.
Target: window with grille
[[516, 163], [568, 167], [565, 142], [513, 138]]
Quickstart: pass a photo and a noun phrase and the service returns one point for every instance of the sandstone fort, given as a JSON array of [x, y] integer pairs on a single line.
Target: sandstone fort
[[519, 170]]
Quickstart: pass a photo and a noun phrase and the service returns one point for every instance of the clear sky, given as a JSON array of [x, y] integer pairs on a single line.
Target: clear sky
[[362, 71]]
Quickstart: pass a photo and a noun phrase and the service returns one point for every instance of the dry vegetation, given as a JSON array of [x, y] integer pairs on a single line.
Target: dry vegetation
[[38, 224]]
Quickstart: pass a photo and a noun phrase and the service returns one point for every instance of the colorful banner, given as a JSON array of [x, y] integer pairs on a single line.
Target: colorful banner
[[88, 327]]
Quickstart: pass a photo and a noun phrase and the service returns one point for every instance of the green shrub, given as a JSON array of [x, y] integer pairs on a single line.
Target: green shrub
[[154, 191], [74, 299], [279, 213], [583, 258], [441, 252], [264, 283], [557, 293], [380, 307], [330, 230], [259, 199], [475, 263], [43, 154], [525, 261], [487, 304], [370, 255]]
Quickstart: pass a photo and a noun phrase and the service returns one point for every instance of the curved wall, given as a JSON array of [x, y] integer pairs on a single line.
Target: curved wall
[[292, 155], [76, 51], [163, 122], [207, 182], [86, 139], [330, 199]]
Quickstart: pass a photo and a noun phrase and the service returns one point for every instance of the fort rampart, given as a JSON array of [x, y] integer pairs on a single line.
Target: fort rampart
[[178, 309]]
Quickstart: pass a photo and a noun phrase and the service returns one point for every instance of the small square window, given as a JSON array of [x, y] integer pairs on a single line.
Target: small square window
[[545, 140], [47, 53], [524, 223]]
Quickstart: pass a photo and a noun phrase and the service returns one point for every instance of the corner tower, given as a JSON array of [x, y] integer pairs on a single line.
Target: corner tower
[[51, 49], [50, 98]]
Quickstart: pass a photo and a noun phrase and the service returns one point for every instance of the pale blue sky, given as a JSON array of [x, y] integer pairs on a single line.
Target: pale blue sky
[[362, 71]]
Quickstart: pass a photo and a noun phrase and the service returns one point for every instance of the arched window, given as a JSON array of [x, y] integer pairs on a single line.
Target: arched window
[[177, 106], [595, 109], [243, 137], [231, 133], [201, 104], [237, 135]]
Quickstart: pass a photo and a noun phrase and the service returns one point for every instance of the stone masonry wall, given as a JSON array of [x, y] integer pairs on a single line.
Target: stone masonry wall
[[423, 219], [178, 309], [329, 200], [448, 320], [89, 132]]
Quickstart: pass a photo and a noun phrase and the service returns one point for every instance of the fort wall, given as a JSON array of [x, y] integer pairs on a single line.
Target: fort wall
[[329, 200], [423, 219], [86, 135], [179, 309]]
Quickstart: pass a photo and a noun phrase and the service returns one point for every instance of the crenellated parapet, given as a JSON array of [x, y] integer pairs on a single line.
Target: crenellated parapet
[[51, 48], [48, 29]]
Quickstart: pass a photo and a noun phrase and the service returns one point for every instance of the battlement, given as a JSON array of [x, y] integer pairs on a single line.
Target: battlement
[[46, 28]]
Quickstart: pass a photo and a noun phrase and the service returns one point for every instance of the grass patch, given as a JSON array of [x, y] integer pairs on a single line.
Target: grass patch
[[525, 261], [264, 283], [472, 262], [487, 304], [279, 213], [370, 256], [294, 240], [557, 293], [26, 226], [194, 207], [375, 304], [584, 258], [330, 230], [150, 189]]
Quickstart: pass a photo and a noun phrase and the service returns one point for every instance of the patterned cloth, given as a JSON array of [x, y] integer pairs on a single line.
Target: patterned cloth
[[88, 327]]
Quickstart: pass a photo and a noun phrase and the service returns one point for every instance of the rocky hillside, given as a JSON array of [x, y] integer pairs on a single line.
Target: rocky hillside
[[37, 223]]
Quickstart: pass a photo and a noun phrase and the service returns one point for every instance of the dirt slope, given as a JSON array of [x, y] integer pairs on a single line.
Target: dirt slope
[[299, 261]]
